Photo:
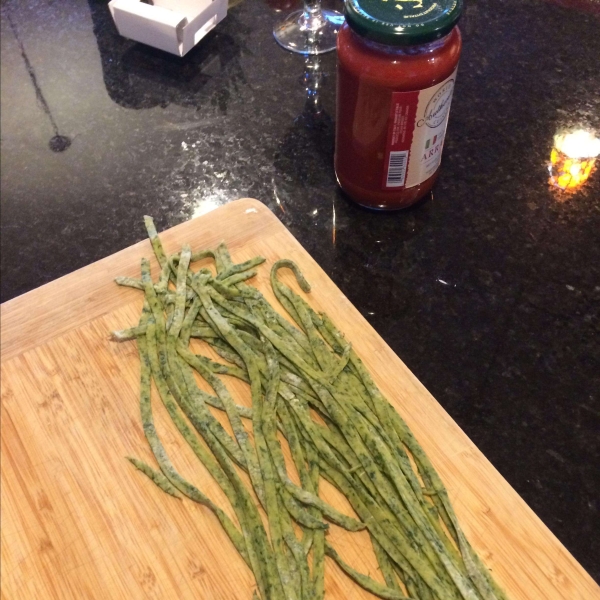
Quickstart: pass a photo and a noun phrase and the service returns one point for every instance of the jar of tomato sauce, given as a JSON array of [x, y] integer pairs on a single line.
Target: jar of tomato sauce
[[397, 62]]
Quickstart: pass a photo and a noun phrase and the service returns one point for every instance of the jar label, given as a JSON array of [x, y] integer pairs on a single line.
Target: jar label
[[416, 130]]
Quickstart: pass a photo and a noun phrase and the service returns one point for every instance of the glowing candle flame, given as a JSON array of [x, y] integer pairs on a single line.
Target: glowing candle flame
[[573, 158]]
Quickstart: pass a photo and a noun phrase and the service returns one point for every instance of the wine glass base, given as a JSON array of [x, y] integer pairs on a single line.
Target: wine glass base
[[305, 35]]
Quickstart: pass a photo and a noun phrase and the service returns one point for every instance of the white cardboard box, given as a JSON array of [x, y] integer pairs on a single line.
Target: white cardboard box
[[175, 26]]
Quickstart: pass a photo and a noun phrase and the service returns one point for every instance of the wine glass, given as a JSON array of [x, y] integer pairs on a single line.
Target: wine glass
[[312, 30]]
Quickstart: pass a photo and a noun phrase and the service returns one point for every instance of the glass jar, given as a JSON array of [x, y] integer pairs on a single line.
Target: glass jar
[[397, 62]]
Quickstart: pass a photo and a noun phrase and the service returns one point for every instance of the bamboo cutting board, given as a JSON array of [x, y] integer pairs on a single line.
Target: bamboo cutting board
[[79, 522]]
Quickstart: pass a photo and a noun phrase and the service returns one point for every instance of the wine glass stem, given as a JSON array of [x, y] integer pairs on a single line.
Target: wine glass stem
[[312, 17]]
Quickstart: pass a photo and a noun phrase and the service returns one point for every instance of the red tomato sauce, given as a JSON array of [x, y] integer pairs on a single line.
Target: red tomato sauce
[[369, 74]]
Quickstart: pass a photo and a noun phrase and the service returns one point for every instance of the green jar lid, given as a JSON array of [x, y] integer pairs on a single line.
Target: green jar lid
[[402, 22]]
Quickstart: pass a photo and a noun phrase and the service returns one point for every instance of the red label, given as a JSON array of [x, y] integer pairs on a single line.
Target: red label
[[401, 125]]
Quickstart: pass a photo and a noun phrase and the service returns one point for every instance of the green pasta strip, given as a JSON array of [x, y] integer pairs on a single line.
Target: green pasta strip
[[385, 565], [236, 278], [241, 267], [156, 476], [364, 580], [155, 241]]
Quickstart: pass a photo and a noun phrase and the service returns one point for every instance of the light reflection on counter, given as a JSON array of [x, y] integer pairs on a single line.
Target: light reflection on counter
[[207, 204], [573, 159], [276, 196], [333, 222]]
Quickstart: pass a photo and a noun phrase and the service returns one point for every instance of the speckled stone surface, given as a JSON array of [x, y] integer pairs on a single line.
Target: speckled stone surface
[[489, 290]]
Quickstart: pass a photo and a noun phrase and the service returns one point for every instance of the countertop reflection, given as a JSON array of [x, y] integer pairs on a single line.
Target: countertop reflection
[[489, 290]]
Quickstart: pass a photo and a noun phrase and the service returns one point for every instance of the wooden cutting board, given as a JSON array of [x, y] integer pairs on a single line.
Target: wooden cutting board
[[79, 522]]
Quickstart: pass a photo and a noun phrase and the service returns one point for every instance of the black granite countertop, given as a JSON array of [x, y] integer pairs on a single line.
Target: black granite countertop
[[489, 290]]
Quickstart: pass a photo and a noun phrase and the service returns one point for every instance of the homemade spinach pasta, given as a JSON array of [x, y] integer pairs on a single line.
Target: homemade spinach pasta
[[308, 384]]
